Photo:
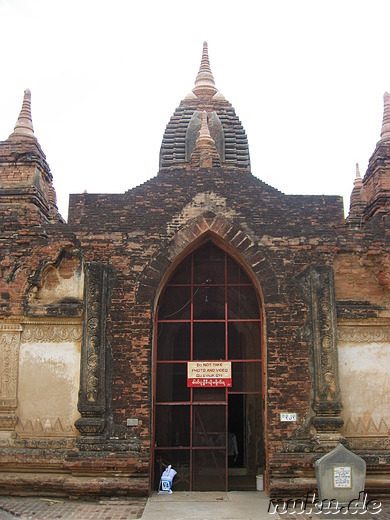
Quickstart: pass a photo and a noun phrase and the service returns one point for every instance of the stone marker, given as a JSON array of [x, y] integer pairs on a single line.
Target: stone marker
[[340, 477]]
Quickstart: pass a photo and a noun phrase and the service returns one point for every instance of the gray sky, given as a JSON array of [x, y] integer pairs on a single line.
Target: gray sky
[[306, 79]]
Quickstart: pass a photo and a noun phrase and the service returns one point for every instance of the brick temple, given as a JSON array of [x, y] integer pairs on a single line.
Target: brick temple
[[202, 319]]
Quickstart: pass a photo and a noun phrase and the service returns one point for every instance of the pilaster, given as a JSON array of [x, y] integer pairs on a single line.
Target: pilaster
[[93, 402], [317, 284], [9, 361]]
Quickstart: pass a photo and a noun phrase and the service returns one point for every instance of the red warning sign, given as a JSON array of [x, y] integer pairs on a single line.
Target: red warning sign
[[209, 374]]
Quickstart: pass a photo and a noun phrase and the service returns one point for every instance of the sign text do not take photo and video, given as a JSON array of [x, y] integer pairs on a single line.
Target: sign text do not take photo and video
[[209, 374]]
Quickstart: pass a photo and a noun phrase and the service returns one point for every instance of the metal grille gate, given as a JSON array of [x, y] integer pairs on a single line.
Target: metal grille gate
[[209, 311]]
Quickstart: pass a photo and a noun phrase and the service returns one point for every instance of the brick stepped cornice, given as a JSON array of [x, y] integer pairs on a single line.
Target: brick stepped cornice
[[173, 148], [167, 194]]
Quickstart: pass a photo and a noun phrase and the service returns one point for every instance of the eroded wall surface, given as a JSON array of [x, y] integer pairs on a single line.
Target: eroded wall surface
[[49, 379], [363, 294], [364, 365]]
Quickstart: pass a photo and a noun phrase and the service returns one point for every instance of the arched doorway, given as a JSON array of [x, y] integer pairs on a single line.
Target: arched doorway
[[208, 420]]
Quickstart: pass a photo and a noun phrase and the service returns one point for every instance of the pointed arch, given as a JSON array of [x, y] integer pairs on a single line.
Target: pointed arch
[[224, 233]]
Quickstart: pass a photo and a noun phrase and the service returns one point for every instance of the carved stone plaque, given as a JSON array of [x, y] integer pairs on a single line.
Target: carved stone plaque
[[340, 475]]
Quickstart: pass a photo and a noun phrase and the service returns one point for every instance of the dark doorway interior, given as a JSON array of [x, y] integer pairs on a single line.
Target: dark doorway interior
[[245, 441], [236, 431]]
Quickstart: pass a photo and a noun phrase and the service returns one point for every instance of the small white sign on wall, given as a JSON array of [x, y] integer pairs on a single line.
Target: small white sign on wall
[[288, 417]]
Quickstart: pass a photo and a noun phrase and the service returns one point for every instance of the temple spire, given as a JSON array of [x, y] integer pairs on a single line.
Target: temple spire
[[204, 138], [358, 177], [24, 127], [385, 133], [358, 201], [204, 82], [205, 154], [376, 180]]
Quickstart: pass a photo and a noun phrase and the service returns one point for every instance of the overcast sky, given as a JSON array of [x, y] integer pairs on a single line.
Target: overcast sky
[[306, 79]]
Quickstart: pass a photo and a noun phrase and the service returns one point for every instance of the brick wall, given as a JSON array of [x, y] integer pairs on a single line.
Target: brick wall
[[143, 232]]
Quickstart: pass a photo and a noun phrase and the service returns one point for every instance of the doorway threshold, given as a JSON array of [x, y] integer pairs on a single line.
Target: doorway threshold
[[191, 496], [201, 505]]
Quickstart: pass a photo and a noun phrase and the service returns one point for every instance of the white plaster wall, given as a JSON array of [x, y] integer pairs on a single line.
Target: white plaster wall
[[71, 287], [49, 375], [364, 371]]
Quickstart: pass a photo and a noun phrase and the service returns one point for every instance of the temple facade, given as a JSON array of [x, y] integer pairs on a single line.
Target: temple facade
[[203, 319]]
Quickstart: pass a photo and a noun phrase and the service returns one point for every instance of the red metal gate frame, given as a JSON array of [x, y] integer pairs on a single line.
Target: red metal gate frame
[[228, 391]]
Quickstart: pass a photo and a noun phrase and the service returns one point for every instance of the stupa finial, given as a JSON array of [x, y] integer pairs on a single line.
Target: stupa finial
[[357, 201], [204, 82], [385, 133], [358, 176], [24, 127]]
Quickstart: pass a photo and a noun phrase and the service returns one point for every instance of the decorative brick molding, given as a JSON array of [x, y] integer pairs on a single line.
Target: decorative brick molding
[[92, 402], [362, 334], [317, 286], [45, 427], [9, 362], [45, 443], [367, 435], [370, 428], [369, 444], [42, 332], [98, 430]]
